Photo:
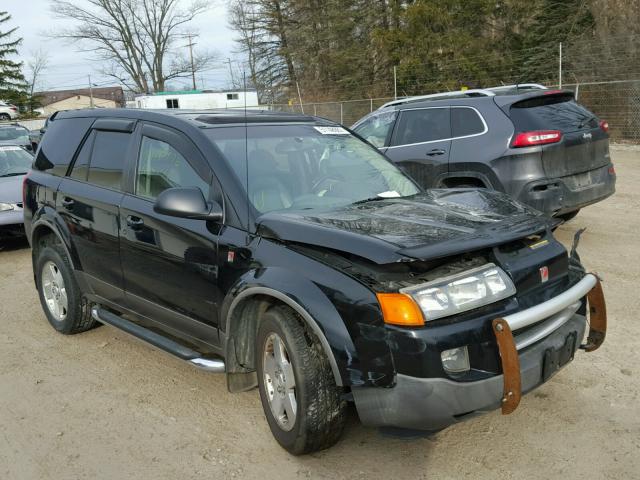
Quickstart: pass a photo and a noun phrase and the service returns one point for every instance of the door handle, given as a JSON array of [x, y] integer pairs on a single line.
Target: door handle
[[134, 222], [68, 203], [436, 151]]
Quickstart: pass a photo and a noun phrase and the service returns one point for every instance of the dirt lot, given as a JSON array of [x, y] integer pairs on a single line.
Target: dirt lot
[[103, 406]]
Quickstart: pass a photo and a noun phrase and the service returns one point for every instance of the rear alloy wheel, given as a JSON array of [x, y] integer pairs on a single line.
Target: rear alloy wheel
[[54, 291], [304, 407], [62, 301], [5, 116]]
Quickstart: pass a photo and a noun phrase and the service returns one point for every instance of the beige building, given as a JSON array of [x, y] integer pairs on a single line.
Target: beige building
[[104, 97]]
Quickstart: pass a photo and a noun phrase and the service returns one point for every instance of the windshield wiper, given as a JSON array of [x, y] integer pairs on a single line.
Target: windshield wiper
[[13, 174], [371, 199], [586, 120]]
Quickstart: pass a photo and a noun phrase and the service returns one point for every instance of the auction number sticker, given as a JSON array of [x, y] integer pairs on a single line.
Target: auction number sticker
[[332, 130]]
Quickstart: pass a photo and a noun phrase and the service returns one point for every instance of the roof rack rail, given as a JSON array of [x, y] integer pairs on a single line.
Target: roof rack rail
[[474, 92]]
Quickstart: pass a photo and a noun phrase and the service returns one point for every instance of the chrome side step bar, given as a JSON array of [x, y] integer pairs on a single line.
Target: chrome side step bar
[[213, 365]]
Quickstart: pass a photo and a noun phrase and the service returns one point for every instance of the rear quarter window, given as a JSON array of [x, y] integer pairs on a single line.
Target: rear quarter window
[[557, 112], [465, 121], [60, 143]]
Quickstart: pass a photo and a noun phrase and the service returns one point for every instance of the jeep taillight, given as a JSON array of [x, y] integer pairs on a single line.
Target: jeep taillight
[[537, 137], [604, 126]]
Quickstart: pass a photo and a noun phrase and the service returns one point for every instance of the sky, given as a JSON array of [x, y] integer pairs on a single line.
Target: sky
[[69, 68]]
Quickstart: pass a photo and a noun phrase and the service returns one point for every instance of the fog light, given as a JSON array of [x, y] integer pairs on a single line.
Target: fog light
[[456, 360]]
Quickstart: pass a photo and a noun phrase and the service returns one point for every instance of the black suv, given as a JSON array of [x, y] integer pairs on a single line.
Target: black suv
[[537, 145], [293, 256]]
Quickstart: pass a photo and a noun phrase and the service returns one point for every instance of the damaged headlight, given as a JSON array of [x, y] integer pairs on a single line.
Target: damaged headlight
[[459, 293], [4, 207]]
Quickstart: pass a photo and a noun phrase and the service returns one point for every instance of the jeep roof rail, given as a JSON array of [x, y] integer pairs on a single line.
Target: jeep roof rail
[[474, 92]]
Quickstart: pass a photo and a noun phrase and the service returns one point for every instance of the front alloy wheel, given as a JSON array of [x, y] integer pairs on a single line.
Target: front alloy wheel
[[280, 382]]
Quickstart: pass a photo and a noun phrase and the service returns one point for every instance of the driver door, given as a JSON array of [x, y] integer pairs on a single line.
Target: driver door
[[169, 264]]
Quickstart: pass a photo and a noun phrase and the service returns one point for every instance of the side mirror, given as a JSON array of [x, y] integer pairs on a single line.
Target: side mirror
[[187, 203]]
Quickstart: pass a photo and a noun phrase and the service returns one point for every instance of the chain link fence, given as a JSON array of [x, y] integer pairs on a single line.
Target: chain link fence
[[617, 102]]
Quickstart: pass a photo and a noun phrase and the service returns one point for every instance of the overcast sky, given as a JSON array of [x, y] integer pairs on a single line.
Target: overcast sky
[[69, 68]]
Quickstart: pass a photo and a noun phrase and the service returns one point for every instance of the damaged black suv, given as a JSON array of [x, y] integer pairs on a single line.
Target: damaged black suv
[[287, 253]]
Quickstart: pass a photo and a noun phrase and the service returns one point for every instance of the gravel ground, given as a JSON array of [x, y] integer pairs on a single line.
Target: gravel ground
[[101, 406]]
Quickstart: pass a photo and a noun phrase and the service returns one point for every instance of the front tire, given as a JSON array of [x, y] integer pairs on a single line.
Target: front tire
[[303, 405], [62, 301]]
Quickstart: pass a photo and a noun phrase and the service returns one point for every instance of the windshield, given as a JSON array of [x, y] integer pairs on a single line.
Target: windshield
[[18, 134], [307, 167], [14, 161]]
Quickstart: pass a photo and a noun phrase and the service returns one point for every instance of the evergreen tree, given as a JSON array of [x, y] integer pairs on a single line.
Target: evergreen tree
[[569, 21], [12, 81]]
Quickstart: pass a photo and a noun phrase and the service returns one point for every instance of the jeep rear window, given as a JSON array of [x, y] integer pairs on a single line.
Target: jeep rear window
[[551, 112], [59, 144]]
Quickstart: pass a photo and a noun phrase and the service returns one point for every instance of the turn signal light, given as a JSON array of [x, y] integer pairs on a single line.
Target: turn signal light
[[604, 125], [400, 309], [537, 137]]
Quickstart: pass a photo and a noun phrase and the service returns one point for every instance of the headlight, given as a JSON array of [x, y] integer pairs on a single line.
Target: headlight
[[5, 207], [462, 292]]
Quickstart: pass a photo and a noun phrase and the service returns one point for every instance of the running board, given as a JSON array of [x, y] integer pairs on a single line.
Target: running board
[[159, 341]]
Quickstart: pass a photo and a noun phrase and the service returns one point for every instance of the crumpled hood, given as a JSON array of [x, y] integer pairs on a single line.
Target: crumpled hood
[[11, 189], [430, 225]]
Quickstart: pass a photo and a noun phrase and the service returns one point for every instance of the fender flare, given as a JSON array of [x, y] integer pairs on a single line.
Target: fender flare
[[299, 309], [44, 222]]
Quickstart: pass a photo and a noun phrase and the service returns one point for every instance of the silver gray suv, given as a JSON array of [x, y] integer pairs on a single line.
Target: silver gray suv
[[538, 145]]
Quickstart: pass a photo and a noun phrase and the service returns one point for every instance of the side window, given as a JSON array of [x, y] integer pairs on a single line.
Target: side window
[[108, 158], [376, 129], [422, 125], [160, 166], [465, 121], [81, 165], [59, 144], [172, 103]]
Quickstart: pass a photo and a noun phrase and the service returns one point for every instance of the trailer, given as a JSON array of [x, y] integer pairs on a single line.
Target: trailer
[[197, 100]]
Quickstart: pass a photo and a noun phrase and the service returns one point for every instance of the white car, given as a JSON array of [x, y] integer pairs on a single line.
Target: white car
[[8, 111]]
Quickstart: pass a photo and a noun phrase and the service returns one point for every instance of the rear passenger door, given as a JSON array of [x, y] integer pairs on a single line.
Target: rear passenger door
[[88, 200], [170, 264], [421, 142]]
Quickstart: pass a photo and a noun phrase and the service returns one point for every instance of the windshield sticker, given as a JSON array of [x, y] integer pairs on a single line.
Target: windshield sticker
[[11, 148], [389, 194], [332, 130]]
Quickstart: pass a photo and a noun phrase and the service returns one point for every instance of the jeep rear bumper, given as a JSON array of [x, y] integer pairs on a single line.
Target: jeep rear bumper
[[566, 194], [435, 403]]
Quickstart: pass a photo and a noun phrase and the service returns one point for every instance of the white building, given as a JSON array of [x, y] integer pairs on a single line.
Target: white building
[[197, 100]]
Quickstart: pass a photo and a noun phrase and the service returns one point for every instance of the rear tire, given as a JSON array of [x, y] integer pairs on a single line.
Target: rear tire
[[303, 405], [62, 301], [569, 216], [5, 116]]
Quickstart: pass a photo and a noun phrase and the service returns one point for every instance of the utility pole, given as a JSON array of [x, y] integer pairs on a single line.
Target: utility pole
[[233, 82], [395, 83], [90, 93], [193, 67], [560, 68]]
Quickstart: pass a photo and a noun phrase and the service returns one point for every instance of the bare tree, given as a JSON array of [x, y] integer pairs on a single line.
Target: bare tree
[[36, 65], [136, 38]]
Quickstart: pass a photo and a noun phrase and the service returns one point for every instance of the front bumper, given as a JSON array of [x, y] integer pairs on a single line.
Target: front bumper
[[12, 223], [435, 403], [566, 194]]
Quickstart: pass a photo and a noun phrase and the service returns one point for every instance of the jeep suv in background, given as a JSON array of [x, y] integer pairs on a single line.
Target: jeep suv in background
[[284, 251], [538, 145]]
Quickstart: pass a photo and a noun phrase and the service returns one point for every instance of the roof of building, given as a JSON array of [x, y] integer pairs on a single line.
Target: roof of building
[[105, 93]]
